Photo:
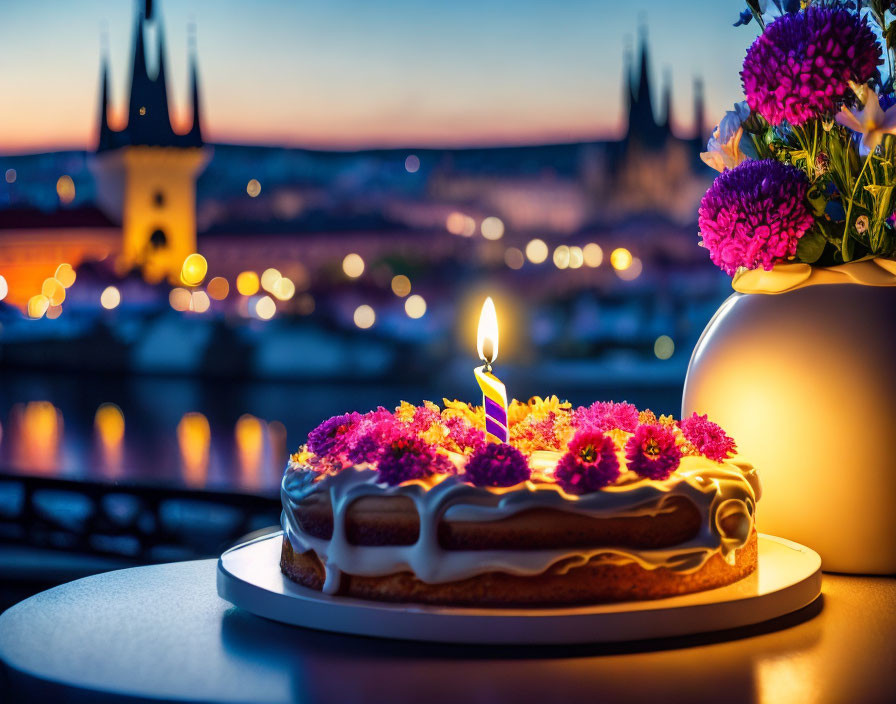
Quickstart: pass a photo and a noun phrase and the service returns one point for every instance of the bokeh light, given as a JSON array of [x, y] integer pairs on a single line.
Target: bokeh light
[[269, 279], [10, 175], [180, 299], [54, 291], [284, 289], [536, 251], [110, 297], [54, 312], [664, 347], [632, 272], [621, 259], [576, 258], [199, 302], [412, 164], [194, 269], [353, 265], [414, 306], [65, 189], [561, 257], [4, 287], [454, 223], [247, 283], [65, 275], [364, 316], [514, 258], [593, 254], [37, 306], [265, 308], [253, 188], [218, 288], [401, 285], [492, 228], [109, 424]]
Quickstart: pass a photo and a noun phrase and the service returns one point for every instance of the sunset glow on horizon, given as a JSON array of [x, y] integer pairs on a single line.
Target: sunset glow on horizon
[[350, 74]]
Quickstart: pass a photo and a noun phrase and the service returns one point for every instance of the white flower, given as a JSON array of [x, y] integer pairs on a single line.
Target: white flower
[[723, 149], [871, 122]]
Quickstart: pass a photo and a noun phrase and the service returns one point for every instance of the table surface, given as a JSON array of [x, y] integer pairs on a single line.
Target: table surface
[[162, 633]]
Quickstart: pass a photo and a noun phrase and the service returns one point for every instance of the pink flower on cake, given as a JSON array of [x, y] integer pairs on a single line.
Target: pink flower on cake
[[372, 430], [800, 67], [465, 437], [333, 437], [707, 437], [606, 415], [754, 215], [653, 452], [590, 463], [497, 464]]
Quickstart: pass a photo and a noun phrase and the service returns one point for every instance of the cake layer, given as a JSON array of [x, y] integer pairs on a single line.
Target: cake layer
[[394, 520], [602, 579]]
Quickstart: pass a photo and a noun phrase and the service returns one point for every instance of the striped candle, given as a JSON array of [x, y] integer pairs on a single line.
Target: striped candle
[[494, 393], [494, 398]]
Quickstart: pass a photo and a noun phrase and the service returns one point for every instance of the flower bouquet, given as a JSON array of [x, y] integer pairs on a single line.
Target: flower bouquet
[[804, 208]]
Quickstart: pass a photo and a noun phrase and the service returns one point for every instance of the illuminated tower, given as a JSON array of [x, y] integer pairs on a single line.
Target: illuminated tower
[[146, 173]]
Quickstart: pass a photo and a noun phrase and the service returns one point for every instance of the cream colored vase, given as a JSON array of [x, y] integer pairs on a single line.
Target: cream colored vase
[[799, 367]]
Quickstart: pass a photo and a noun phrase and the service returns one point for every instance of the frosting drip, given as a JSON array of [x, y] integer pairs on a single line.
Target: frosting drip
[[718, 490]]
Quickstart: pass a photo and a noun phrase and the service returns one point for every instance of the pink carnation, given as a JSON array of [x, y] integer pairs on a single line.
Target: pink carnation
[[709, 438], [754, 215], [607, 415]]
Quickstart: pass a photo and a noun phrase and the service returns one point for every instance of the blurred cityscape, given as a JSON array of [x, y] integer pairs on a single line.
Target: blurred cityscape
[[327, 281]]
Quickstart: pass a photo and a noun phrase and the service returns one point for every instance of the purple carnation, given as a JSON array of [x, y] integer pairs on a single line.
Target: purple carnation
[[653, 452], [708, 437], [497, 464], [332, 438], [799, 68], [754, 214], [606, 415], [407, 457], [589, 464]]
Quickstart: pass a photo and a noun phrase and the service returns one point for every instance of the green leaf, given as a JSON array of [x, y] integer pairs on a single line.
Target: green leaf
[[817, 201], [847, 246], [810, 246]]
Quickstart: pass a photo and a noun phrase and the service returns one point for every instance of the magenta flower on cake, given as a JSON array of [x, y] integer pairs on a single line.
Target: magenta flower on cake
[[464, 435], [800, 67], [333, 437], [590, 463], [653, 452], [372, 430], [707, 437], [497, 464], [606, 415], [754, 215]]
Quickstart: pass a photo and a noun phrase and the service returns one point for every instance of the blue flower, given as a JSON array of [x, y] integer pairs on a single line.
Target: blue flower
[[745, 18]]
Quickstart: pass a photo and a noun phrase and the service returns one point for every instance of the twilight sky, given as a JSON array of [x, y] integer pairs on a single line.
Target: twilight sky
[[349, 73]]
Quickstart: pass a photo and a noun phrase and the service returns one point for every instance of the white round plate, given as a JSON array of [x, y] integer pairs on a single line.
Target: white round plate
[[788, 578]]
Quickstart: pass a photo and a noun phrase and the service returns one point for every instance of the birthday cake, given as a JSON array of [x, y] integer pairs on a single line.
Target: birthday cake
[[579, 505]]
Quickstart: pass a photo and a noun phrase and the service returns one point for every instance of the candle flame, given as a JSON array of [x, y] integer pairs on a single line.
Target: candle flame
[[487, 335]]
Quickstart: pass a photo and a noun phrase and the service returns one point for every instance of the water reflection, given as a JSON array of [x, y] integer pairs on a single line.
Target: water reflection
[[194, 439], [38, 428], [249, 436], [109, 434]]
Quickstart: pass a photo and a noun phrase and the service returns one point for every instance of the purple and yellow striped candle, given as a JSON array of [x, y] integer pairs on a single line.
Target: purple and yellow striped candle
[[494, 393]]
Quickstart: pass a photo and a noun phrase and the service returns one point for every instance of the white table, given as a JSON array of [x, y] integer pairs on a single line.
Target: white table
[[161, 632]]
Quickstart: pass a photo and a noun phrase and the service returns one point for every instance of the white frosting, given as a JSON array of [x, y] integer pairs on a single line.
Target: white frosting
[[716, 489]]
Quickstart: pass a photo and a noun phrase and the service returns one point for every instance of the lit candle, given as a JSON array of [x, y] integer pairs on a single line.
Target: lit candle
[[494, 393]]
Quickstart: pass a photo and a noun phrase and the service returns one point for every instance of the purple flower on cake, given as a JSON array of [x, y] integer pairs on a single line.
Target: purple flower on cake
[[707, 437], [801, 66], [754, 214], [590, 462], [333, 437], [606, 415], [497, 464], [407, 457], [653, 452]]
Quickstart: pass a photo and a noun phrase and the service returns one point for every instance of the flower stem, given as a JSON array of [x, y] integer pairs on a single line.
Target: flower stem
[[852, 197]]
